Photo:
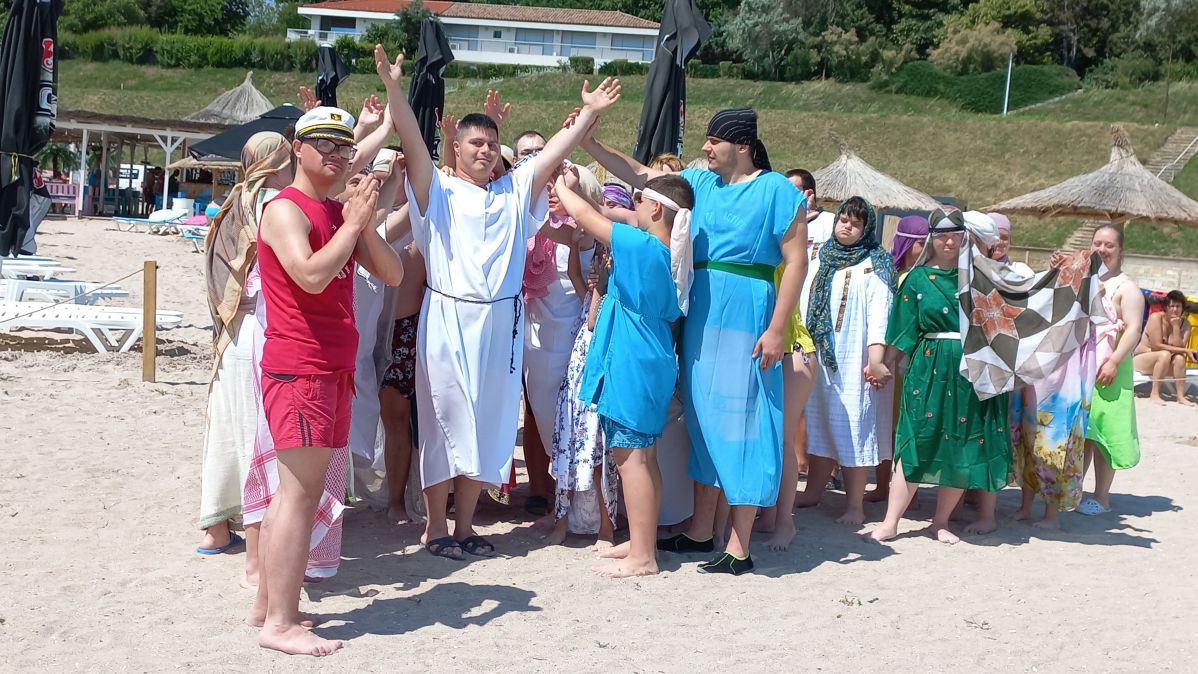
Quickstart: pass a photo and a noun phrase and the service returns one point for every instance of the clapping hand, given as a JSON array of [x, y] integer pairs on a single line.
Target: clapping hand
[[307, 99], [495, 108], [603, 97], [359, 209], [391, 73]]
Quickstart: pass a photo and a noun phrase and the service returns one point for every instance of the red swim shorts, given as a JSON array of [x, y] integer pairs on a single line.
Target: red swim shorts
[[308, 410]]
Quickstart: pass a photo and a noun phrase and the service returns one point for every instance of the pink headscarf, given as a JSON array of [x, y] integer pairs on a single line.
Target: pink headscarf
[[1004, 225], [540, 263]]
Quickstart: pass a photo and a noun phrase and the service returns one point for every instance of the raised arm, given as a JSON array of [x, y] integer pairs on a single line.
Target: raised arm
[[584, 214], [559, 147], [368, 147], [621, 165], [419, 163], [285, 229]]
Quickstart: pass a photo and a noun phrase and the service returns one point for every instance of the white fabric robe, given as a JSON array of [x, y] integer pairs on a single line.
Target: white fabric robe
[[469, 362]]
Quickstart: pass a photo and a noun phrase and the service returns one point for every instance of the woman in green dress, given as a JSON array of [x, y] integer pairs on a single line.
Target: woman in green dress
[[945, 436]]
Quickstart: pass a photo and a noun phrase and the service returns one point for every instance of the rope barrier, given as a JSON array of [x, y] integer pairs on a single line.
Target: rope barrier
[[71, 299]]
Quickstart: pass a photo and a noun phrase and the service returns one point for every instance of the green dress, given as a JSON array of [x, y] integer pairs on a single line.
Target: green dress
[[945, 435]]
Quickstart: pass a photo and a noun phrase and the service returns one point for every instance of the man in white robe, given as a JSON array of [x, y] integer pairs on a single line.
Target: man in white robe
[[472, 231]]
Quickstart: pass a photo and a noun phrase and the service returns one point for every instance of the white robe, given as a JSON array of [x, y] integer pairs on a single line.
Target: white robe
[[847, 419], [471, 349]]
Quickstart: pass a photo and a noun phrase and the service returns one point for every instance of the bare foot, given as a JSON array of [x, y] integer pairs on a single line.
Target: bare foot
[[248, 581], [982, 526], [558, 535], [601, 545], [943, 535], [397, 516], [618, 552], [882, 534], [1021, 514], [1182, 400], [808, 500], [1156, 399], [1050, 525], [306, 620], [877, 495], [544, 522], [626, 569], [852, 517], [783, 535], [763, 525], [295, 640]]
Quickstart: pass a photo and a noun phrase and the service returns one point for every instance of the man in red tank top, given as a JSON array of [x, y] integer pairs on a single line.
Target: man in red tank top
[[307, 246]]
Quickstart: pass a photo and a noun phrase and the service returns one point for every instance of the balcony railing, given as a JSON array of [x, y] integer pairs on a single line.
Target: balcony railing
[[490, 46]]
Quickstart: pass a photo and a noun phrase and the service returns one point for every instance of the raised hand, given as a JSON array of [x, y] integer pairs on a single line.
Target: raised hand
[[359, 209], [603, 97], [569, 177], [571, 118], [391, 73], [495, 108], [449, 126], [372, 112], [307, 99]]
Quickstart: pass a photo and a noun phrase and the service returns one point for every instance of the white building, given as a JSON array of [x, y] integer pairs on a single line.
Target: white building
[[481, 33]]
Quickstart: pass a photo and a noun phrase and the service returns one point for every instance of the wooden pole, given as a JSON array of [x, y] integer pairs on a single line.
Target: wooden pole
[[149, 322]]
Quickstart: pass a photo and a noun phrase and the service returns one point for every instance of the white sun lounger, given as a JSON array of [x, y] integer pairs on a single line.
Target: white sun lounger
[[23, 290], [164, 217], [107, 328], [25, 268]]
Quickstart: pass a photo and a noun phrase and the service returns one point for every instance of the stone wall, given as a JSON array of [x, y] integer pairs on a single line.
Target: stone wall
[[1154, 273]]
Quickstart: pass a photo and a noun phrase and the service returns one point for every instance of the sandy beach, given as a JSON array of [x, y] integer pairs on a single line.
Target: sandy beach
[[99, 488]]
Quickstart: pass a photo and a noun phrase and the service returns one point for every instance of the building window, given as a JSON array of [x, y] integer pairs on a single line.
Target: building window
[[578, 44], [465, 37], [534, 42], [497, 35], [633, 43]]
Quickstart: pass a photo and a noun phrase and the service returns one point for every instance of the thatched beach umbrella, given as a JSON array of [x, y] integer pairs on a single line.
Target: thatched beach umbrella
[[236, 106], [1120, 191], [851, 176]]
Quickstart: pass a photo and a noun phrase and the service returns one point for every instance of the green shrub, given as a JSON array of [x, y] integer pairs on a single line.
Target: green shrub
[[702, 71], [97, 45], [621, 67], [271, 53], [1124, 72], [224, 52], [178, 51], [918, 78], [136, 44], [975, 49], [982, 92], [582, 65], [303, 55], [68, 46]]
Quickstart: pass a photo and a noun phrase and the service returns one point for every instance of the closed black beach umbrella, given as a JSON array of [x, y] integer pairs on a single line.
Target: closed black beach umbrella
[[28, 106], [683, 29], [330, 71], [427, 93]]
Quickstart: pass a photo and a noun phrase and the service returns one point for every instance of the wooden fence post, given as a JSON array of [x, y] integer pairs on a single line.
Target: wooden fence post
[[149, 324]]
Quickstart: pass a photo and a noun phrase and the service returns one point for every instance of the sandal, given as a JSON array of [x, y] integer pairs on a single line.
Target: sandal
[[474, 544], [1092, 507], [440, 547]]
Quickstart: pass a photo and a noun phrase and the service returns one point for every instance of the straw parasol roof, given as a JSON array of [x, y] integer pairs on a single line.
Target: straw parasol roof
[[1120, 191], [210, 163], [236, 106], [850, 176]]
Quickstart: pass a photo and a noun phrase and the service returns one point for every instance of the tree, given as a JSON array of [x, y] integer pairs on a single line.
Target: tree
[[57, 155], [1022, 19], [80, 17], [977, 49], [1084, 28], [920, 23], [197, 17], [762, 33], [1171, 22]]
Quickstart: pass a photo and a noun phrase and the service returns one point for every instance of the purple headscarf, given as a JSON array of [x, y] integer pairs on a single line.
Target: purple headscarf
[[617, 195], [910, 229], [1004, 225]]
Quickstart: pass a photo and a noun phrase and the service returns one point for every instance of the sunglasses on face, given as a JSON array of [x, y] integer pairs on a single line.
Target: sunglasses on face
[[328, 148]]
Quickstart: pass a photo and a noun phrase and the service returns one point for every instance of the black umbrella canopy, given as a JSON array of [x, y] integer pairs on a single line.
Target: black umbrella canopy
[[427, 93], [28, 106], [330, 72], [683, 29], [229, 143]]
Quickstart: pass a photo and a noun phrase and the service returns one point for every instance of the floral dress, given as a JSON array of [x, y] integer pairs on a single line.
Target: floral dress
[[579, 447], [945, 435]]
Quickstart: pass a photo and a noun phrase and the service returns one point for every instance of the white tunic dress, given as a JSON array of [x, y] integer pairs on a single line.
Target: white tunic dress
[[847, 419], [471, 337], [548, 341]]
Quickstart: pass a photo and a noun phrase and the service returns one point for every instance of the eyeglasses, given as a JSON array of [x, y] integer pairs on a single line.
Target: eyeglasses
[[328, 148]]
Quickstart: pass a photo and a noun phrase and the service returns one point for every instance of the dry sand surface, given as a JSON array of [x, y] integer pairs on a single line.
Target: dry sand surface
[[99, 487]]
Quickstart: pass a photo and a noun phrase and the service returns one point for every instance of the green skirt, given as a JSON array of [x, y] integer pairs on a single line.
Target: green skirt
[[945, 436], [1113, 419]]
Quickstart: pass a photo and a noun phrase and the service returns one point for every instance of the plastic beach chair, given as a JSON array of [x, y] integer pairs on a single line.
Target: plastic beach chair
[[80, 292], [107, 328], [31, 268], [167, 217]]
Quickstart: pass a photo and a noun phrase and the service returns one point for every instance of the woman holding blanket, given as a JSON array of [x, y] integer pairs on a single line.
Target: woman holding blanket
[[631, 368]]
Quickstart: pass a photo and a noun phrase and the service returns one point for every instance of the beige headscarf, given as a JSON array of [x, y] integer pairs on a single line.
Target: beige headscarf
[[232, 245]]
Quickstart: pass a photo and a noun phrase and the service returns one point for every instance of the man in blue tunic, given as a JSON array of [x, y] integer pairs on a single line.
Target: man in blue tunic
[[746, 221]]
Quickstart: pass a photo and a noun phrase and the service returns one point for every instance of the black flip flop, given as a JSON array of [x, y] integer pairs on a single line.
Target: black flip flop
[[473, 543], [440, 547]]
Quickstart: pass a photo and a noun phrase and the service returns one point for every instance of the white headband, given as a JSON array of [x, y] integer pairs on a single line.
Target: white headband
[[660, 198], [682, 264], [905, 235]]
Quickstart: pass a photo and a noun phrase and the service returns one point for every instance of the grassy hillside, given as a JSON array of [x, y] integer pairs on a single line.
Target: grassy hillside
[[926, 143]]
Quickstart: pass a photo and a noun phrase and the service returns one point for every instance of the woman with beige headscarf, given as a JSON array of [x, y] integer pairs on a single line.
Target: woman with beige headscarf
[[231, 422]]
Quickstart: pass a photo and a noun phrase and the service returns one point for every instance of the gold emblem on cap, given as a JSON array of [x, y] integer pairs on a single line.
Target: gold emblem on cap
[[335, 117]]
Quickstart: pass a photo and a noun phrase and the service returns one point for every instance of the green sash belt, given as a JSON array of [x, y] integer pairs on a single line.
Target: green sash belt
[[762, 272]]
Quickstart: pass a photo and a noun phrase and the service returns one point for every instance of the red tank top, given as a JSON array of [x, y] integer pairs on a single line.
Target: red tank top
[[306, 333]]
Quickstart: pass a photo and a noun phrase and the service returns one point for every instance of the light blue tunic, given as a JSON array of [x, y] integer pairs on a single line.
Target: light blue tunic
[[733, 408], [631, 369]]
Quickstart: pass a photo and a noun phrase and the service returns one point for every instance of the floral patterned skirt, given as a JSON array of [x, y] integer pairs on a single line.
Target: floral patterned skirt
[[579, 449]]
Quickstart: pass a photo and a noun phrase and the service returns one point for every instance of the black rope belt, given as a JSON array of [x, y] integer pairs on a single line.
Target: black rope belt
[[515, 322]]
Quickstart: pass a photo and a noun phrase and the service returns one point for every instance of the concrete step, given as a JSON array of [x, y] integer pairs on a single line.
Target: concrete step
[[1083, 236], [1172, 157]]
